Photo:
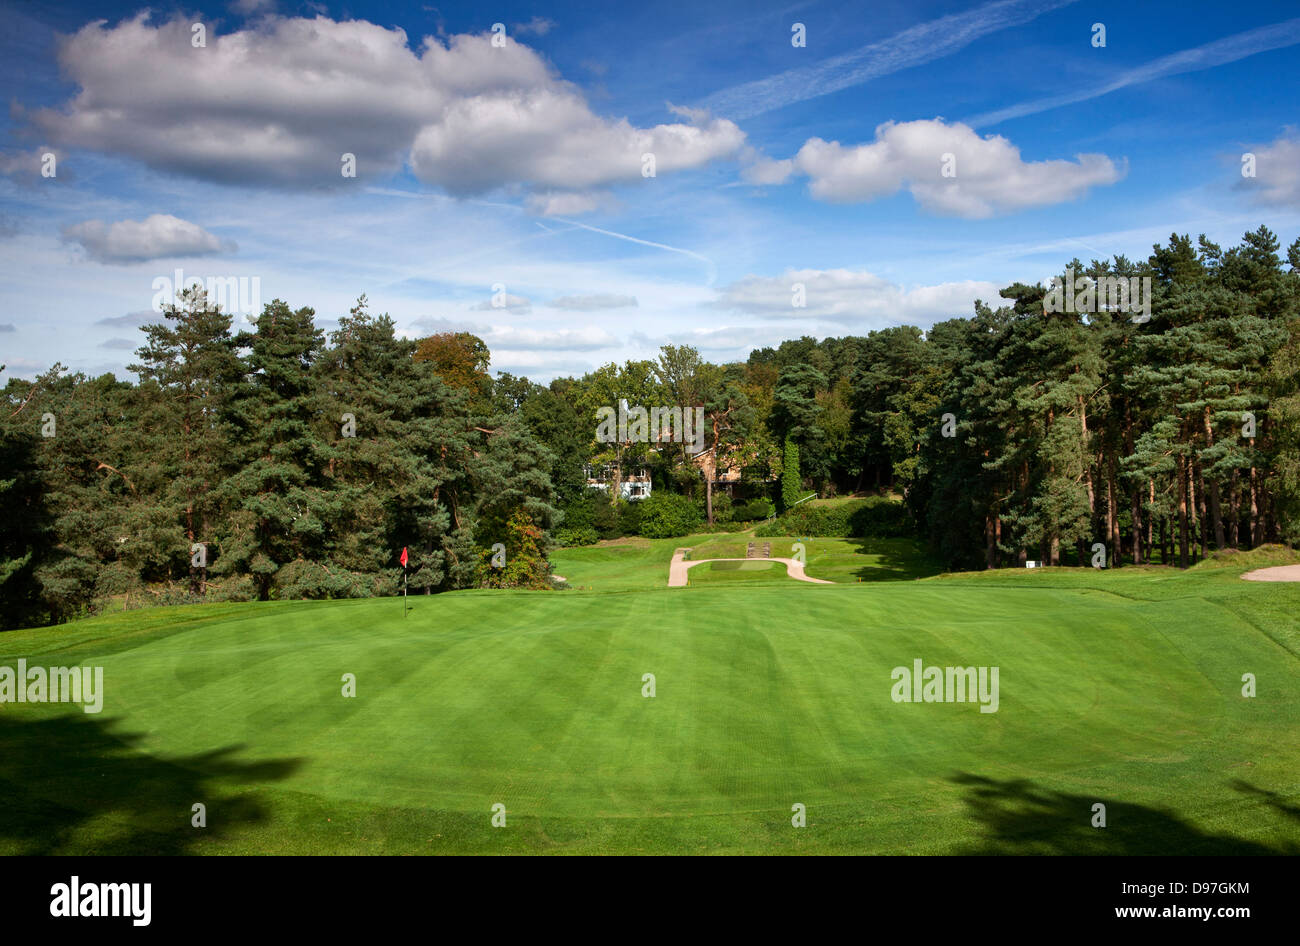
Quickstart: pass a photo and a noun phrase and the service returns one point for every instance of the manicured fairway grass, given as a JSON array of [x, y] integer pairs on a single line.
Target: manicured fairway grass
[[748, 571], [1120, 687], [628, 564]]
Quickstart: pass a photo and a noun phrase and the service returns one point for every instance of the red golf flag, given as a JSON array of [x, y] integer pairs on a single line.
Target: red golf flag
[[403, 556]]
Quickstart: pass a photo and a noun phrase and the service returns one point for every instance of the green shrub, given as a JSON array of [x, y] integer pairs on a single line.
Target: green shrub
[[629, 518], [753, 510], [791, 479], [874, 517], [723, 511], [584, 535], [668, 515], [605, 517]]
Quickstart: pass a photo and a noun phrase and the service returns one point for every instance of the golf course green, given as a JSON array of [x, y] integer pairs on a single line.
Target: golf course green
[[1123, 688]]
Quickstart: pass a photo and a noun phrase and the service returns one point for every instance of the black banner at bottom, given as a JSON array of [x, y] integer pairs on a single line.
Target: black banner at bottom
[[301, 895]]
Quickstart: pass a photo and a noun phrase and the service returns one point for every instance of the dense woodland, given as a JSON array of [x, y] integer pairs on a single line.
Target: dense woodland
[[282, 463]]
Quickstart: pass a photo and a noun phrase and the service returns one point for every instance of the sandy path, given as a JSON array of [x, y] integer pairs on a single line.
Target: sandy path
[[1277, 573], [679, 567]]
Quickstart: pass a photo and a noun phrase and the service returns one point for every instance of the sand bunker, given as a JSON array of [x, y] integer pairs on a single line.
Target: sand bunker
[[1277, 573]]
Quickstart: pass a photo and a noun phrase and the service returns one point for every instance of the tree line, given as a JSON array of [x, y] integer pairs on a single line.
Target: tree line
[[282, 462]]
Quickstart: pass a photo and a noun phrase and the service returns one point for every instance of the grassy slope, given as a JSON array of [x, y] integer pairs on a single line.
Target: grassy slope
[[1119, 687], [628, 564]]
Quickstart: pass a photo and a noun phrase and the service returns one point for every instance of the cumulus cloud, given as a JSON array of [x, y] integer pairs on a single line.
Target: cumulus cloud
[[1277, 172], [120, 344], [538, 26], [279, 102], [27, 167], [131, 319], [552, 204], [759, 169], [590, 303], [516, 305], [6, 327], [587, 338], [728, 338], [987, 177], [156, 237], [548, 137], [844, 295]]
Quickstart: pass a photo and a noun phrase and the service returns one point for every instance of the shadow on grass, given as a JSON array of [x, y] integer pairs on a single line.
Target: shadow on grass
[[896, 560], [71, 785], [1020, 818], [1272, 799]]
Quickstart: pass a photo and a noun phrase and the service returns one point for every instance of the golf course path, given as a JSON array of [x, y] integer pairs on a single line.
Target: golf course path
[[1276, 573], [679, 567]]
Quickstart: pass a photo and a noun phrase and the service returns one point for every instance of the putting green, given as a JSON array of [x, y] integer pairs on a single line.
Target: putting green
[[1122, 688]]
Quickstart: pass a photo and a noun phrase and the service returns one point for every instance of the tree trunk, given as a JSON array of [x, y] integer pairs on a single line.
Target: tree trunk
[[1151, 515], [1112, 515], [1203, 519], [1234, 509], [1216, 517], [1256, 533], [1182, 512], [1135, 511]]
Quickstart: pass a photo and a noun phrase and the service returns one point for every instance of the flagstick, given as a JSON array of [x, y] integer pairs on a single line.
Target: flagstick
[[403, 591]]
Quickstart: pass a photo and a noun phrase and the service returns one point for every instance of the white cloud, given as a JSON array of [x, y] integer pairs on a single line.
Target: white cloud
[[538, 26], [844, 295], [249, 7], [517, 340], [279, 102], [990, 176], [1277, 172], [587, 338], [25, 167], [912, 47], [759, 169], [1217, 53], [516, 305], [562, 204], [158, 236], [131, 319], [590, 303], [548, 137]]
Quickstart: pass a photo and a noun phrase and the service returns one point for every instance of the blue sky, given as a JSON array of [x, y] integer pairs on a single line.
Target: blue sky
[[911, 157]]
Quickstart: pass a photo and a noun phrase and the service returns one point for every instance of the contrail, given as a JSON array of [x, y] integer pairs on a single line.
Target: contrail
[[416, 195], [713, 269], [1228, 49], [914, 46]]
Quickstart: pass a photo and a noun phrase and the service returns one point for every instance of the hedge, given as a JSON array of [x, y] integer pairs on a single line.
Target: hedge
[[874, 517]]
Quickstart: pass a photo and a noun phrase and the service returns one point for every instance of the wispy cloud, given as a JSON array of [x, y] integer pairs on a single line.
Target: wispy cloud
[[713, 268], [914, 46], [1217, 53]]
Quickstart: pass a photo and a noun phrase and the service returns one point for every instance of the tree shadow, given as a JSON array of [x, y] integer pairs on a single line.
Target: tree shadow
[[897, 560], [71, 785], [1272, 799], [1020, 818]]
